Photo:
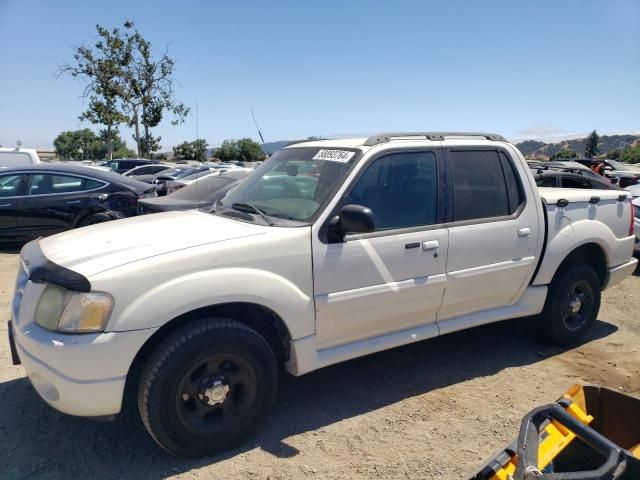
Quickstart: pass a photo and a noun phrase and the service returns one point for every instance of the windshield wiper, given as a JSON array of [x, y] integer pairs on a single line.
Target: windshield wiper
[[242, 207]]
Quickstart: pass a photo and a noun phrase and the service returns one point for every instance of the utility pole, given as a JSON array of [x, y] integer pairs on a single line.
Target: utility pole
[[197, 121]]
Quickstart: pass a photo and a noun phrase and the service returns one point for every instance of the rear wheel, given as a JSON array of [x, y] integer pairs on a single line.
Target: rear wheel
[[572, 305], [207, 386]]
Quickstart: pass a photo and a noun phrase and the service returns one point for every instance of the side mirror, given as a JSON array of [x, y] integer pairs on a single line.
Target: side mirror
[[352, 219]]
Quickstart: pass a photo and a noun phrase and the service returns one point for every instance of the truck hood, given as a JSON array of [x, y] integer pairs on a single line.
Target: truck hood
[[94, 249]]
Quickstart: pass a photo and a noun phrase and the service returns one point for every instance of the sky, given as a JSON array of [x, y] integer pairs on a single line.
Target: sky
[[545, 69]]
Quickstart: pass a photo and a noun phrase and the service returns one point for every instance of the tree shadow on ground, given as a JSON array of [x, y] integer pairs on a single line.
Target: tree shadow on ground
[[38, 441]]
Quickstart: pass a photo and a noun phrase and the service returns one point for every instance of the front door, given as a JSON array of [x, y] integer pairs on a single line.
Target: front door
[[53, 202], [12, 187], [393, 278]]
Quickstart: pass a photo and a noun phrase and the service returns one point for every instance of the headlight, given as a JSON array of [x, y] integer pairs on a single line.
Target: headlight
[[60, 309]]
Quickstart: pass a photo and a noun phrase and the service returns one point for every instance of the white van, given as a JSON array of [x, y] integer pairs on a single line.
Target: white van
[[18, 157]]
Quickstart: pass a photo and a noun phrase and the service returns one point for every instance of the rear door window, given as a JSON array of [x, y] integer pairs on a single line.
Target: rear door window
[[546, 182], [569, 182], [48, 184], [485, 185]]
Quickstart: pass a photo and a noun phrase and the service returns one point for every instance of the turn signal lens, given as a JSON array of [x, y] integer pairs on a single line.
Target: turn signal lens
[[86, 312]]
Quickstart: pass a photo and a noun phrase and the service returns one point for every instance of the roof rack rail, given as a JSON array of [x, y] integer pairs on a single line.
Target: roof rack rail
[[434, 136]]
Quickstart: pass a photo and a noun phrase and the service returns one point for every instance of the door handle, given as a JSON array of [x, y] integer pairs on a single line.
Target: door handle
[[431, 245], [524, 232], [5, 205], [72, 202]]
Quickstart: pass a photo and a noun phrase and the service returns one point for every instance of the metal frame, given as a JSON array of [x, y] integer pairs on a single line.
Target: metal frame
[[433, 136]]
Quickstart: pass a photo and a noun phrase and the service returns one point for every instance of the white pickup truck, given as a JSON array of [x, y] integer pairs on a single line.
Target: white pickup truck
[[328, 251]]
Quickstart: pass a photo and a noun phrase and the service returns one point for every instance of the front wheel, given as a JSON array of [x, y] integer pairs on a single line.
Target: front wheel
[[572, 305], [207, 386]]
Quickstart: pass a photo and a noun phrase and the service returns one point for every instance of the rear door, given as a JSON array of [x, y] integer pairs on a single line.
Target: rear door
[[493, 231], [54, 201], [12, 188]]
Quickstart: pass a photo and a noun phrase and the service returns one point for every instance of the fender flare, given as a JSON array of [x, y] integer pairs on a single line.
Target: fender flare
[[214, 287]]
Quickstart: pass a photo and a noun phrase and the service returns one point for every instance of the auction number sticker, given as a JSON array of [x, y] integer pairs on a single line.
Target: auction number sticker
[[334, 155]]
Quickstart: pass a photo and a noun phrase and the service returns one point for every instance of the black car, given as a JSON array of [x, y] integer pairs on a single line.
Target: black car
[[560, 178], [202, 193], [44, 199], [121, 165]]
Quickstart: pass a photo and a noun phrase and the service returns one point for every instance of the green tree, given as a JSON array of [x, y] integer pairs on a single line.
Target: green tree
[[101, 66], [228, 151], [250, 151], [196, 150], [147, 91], [79, 145], [631, 155], [591, 149], [244, 150], [564, 153], [154, 144]]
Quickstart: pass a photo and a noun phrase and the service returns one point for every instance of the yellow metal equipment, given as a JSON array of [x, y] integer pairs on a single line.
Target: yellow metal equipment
[[589, 433]]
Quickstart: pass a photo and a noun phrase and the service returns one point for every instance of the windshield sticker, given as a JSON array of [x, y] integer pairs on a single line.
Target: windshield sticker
[[334, 155]]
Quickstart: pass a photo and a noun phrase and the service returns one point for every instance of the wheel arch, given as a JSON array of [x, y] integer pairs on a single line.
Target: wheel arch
[[590, 254], [258, 317]]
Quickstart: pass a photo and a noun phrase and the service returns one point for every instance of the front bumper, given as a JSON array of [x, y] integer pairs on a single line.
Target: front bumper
[[77, 374], [617, 274]]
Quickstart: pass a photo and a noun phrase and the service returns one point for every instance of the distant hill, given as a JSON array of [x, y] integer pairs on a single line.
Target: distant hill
[[607, 145]]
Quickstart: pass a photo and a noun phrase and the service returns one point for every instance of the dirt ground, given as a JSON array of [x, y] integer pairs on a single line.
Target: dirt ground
[[435, 409]]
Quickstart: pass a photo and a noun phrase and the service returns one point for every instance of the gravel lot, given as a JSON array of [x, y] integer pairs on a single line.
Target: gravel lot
[[435, 409]]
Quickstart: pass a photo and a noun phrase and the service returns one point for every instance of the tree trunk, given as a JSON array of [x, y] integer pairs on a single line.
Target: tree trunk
[[147, 153], [136, 124], [109, 143]]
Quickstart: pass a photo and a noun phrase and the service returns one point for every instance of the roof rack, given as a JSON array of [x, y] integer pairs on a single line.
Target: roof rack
[[434, 136]]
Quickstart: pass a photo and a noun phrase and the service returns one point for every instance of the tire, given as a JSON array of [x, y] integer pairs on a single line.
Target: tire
[[572, 305], [94, 218], [206, 387]]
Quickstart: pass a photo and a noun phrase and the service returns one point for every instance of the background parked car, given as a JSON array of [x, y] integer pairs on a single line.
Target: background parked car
[[176, 173], [145, 173], [122, 165], [179, 183], [635, 190], [622, 171], [200, 194], [636, 224], [570, 178], [18, 157], [45, 199]]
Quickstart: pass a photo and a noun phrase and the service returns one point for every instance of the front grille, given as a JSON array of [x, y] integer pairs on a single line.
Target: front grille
[[21, 283]]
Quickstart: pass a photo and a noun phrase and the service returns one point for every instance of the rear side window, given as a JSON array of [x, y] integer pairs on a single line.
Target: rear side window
[[546, 182], [400, 189], [568, 182], [485, 185]]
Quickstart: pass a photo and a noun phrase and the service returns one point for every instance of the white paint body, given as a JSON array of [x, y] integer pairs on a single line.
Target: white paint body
[[18, 157], [338, 301]]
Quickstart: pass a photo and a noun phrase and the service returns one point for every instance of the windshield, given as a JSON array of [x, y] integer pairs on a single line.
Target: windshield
[[293, 183]]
